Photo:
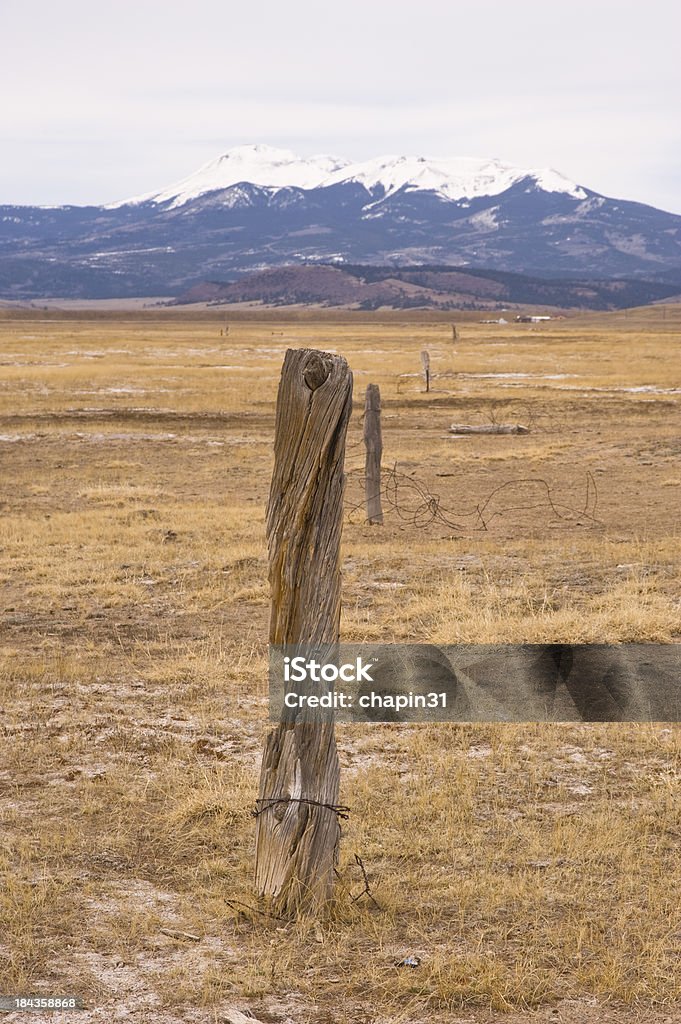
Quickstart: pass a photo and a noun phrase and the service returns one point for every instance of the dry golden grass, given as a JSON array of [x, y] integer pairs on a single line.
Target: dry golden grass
[[528, 866]]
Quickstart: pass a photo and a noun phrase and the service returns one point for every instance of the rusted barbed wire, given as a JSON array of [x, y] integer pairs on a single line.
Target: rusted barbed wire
[[413, 503], [366, 891], [338, 809]]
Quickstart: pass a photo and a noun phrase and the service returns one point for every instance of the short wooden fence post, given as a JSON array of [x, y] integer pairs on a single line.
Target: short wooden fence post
[[374, 450], [425, 363]]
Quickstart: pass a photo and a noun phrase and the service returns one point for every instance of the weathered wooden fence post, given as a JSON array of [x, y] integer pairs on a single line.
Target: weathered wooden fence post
[[454, 334], [297, 828], [374, 450], [425, 363]]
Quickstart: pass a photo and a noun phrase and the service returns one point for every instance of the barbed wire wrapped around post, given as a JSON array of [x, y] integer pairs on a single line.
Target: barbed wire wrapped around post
[[339, 809]]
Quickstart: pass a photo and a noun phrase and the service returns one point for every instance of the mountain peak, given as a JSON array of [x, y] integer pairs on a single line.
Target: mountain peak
[[257, 164], [452, 178]]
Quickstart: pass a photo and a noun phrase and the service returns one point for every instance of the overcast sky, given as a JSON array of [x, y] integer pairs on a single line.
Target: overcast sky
[[102, 101]]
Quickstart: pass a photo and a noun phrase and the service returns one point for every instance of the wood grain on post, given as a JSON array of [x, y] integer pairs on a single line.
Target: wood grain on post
[[374, 450], [296, 841], [425, 363]]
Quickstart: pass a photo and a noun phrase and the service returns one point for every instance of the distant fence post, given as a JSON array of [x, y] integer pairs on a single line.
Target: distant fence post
[[454, 334], [425, 363], [297, 826], [374, 450]]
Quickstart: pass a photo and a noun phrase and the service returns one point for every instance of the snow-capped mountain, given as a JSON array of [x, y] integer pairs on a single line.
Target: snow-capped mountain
[[256, 165], [271, 168], [256, 207], [456, 178]]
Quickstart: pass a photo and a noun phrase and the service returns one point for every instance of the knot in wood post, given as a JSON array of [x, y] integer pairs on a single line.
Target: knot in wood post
[[317, 370]]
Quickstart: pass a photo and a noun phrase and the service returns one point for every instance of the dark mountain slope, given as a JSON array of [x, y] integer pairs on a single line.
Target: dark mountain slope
[[161, 248]]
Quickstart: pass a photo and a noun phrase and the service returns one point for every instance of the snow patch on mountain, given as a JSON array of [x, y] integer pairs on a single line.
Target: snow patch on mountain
[[456, 178], [486, 220], [266, 166], [553, 181]]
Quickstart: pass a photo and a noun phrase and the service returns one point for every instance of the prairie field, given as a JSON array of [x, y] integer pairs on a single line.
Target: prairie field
[[534, 869]]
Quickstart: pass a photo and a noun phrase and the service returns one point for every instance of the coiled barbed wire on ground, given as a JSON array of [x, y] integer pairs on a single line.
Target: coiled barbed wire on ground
[[413, 503]]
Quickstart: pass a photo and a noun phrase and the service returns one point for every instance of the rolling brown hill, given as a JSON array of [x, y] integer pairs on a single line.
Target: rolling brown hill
[[364, 287]]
